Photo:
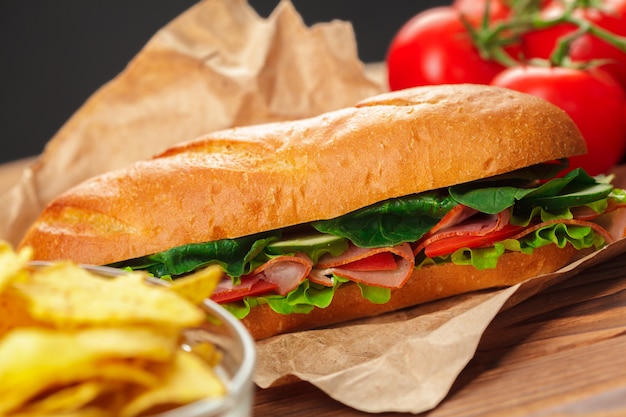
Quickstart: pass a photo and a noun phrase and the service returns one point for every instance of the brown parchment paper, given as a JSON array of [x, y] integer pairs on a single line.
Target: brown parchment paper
[[220, 65], [404, 361], [217, 65]]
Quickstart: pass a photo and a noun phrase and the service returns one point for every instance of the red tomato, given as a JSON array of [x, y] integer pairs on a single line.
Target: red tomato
[[615, 7], [449, 245], [611, 17], [382, 261], [259, 288], [499, 11], [474, 10], [591, 98], [434, 47], [540, 43]]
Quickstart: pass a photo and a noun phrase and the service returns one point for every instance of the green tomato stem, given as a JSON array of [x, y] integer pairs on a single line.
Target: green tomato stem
[[491, 39]]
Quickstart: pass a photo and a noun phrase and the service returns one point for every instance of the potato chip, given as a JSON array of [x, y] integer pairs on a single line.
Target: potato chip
[[208, 352], [188, 379], [85, 412], [14, 312], [67, 399], [126, 371], [199, 285], [12, 265], [42, 358], [75, 343], [65, 295]]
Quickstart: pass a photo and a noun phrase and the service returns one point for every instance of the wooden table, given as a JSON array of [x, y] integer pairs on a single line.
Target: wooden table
[[561, 352]]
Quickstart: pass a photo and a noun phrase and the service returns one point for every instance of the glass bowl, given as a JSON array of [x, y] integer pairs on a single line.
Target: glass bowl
[[238, 357]]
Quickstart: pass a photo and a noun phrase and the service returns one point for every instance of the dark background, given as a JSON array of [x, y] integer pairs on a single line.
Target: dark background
[[55, 54]]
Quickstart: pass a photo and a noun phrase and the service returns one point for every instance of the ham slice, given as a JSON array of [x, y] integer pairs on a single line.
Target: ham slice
[[455, 216], [470, 226], [250, 286], [586, 213], [226, 284], [396, 278], [285, 272], [484, 225]]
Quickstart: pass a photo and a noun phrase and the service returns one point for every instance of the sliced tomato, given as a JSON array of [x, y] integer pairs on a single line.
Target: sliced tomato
[[448, 245], [382, 261], [237, 294]]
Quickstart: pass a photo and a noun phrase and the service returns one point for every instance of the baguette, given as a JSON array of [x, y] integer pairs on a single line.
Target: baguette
[[243, 181], [246, 180]]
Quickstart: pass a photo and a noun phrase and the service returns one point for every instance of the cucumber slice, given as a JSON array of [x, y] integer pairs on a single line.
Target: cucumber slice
[[578, 198], [305, 243]]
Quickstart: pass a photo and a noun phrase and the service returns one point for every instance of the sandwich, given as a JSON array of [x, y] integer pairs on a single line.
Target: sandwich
[[404, 198]]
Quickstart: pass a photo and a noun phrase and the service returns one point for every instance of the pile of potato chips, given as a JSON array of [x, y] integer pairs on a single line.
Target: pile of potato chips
[[73, 342]]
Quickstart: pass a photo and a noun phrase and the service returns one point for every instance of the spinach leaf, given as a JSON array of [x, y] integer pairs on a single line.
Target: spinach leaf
[[390, 222], [543, 171], [490, 200], [575, 188], [237, 256]]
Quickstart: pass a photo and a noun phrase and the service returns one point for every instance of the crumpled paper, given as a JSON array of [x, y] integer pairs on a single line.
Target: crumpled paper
[[405, 361], [217, 65]]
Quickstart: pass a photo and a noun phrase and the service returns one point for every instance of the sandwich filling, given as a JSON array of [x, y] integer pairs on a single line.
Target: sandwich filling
[[296, 269]]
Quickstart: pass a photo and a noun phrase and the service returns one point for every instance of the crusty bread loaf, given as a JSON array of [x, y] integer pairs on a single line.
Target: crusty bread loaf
[[241, 181], [430, 283]]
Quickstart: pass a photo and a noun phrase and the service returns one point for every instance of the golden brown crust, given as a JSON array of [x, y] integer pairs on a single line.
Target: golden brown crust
[[426, 284], [241, 181]]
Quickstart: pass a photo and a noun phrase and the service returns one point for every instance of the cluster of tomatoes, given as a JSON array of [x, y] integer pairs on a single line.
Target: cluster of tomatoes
[[571, 53]]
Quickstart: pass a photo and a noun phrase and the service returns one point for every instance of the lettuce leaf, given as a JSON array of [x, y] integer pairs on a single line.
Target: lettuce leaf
[[308, 295], [559, 234], [304, 298]]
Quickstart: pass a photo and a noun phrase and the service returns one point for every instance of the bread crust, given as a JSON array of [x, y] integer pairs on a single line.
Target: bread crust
[[244, 180], [427, 284]]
